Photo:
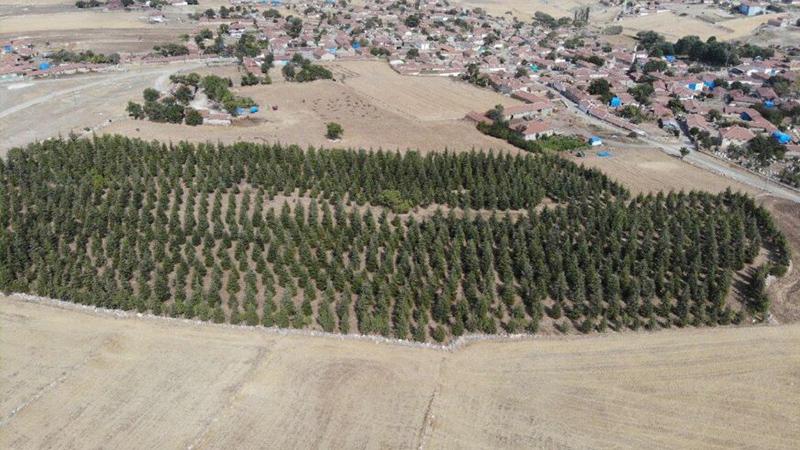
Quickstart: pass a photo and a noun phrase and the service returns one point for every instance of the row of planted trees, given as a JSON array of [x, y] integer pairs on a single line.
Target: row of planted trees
[[283, 237]]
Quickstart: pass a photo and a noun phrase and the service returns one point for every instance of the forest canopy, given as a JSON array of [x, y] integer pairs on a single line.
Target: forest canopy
[[276, 235]]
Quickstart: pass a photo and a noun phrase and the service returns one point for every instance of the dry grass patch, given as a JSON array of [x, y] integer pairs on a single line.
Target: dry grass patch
[[645, 170], [389, 121], [77, 20]]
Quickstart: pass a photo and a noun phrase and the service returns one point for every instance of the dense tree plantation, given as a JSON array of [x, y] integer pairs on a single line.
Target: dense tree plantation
[[509, 243]]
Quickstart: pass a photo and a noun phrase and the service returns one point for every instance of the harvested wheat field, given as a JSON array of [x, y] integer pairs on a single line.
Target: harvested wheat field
[[424, 98], [73, 20], [122, 40], [674, 27], [169, 384], [646, 170], [371, 115], [526, 8]]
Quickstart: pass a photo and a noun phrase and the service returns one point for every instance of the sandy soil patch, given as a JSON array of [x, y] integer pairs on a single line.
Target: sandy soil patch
[[127, 382]]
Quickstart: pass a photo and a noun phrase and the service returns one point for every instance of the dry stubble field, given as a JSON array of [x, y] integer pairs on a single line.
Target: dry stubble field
[[675, 27], [556, 8], [377, 108], [646, 170], [126, 382]]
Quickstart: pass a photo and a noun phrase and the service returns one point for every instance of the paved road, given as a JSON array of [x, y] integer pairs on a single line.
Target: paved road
[[695, 158]]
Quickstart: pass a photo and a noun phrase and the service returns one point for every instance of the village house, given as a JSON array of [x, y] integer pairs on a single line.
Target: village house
[[735, 135], [536, 129]]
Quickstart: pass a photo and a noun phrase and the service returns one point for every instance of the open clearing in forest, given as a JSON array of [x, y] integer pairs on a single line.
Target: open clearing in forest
[[76, 379]]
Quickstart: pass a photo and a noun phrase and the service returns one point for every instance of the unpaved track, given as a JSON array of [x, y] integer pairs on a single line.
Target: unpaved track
[[53, 107], [87, 380]]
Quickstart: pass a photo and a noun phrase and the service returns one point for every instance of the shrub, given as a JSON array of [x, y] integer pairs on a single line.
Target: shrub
[[193, 117], [333, 130]]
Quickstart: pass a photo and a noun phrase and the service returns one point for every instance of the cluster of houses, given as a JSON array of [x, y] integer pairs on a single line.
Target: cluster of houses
[[529, 61], [20, 59]]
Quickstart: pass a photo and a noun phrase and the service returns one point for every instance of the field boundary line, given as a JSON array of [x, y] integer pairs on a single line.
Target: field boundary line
[[460, 342], [428, 418]]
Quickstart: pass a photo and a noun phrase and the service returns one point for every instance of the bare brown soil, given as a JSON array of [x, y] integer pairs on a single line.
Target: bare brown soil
[[76, 379]]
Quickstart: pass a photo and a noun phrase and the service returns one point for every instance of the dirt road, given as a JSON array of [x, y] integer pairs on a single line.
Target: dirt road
[[76, 379], [39, 109]]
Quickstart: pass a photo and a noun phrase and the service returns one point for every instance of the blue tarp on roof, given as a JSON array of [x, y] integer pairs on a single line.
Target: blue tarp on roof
[[710, 84], [254, 109], [534, 67], [782, 138], [615, 102], [594, 140], [769, 104], [604, 154], [356, 45], [745, 116], [8, 49], [669, 58], [44, 66]]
